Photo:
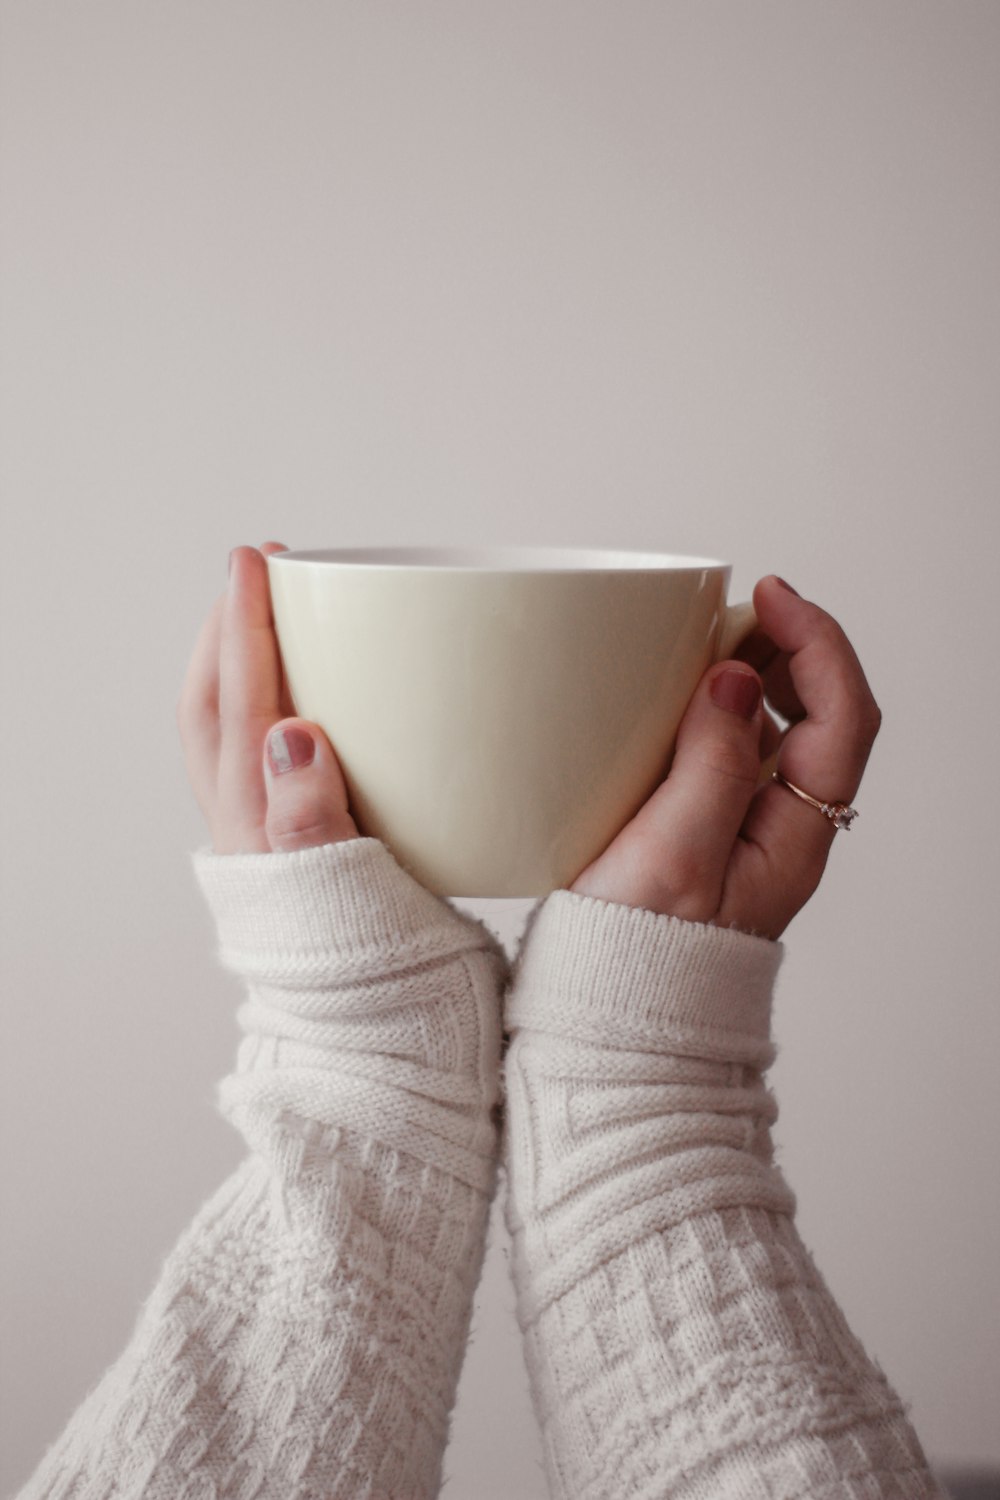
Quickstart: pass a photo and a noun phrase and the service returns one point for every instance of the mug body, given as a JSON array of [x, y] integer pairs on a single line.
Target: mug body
[[499, 713]]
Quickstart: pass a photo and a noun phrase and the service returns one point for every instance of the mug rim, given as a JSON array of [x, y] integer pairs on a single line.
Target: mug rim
[[501, 558]]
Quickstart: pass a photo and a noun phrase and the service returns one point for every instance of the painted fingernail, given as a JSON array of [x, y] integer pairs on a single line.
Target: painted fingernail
[[289, 750], [788, 586], [739, 692]]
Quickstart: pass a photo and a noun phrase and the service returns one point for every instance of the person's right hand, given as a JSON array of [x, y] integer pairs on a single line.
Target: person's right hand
[[233, 700], [712, 846]]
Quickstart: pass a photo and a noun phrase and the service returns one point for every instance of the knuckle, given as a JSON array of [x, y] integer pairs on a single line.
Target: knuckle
[[829, 628], [834, 642], [194, 709], [865, 720], [187, 715], [297, 824], [732, 760], [871, 720]]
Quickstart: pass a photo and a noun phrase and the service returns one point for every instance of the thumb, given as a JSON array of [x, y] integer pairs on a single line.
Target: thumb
[[306, 791], [695, 816]]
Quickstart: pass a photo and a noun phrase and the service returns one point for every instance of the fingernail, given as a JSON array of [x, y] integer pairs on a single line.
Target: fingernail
[[788, 586], [739, 692], [289, 749]]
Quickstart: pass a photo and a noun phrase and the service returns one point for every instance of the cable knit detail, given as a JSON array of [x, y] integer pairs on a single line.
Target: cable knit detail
[[679, 1339], [305, 1337]]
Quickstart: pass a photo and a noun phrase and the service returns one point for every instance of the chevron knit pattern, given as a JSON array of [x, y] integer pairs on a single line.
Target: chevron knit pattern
[[305, 1337], [679, 1339]]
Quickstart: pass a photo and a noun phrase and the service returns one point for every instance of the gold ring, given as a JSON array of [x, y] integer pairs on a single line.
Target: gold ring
[[840, 815]]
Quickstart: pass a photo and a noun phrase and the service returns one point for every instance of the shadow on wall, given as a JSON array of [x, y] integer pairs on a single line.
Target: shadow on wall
[[971, 1484]]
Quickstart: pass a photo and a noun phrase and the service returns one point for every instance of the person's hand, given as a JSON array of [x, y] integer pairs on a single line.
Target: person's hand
[[709, 845], [246, 780]]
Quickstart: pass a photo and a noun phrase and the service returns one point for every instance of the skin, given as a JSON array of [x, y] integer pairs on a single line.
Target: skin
[[710, 845]]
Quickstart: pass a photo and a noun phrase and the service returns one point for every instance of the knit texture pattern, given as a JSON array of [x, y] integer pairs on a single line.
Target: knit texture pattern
[[305, 1336], [679, 1339]]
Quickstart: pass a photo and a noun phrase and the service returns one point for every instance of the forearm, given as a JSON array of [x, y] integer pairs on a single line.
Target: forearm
[[679, 1338], [306, 1334]]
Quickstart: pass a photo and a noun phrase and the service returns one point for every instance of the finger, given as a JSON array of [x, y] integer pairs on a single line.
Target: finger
[[825, 753], [306, 791], [760, 652], [694, 818], [199, 696], [285, 695], [250, 699]]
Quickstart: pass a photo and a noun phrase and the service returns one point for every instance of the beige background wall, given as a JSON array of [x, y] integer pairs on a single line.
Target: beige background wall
[[698, 276]]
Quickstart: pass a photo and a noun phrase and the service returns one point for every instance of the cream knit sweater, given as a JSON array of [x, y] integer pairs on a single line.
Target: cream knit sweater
[[305, 1336]]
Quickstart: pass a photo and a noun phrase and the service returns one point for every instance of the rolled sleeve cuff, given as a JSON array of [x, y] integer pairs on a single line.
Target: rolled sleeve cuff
[[629, 978], [350, 903]]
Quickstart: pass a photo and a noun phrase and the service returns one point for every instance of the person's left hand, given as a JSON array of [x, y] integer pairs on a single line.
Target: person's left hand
[[709, 845], [241, 738]]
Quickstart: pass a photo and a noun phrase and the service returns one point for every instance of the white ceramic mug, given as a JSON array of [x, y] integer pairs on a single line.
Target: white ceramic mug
[[499, 714]]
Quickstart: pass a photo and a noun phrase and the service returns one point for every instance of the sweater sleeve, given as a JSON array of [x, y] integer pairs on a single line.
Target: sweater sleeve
[[679, 1338], [305, 1337]]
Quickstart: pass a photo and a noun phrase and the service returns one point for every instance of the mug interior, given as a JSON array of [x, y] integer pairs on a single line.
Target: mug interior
[[500, 559]]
